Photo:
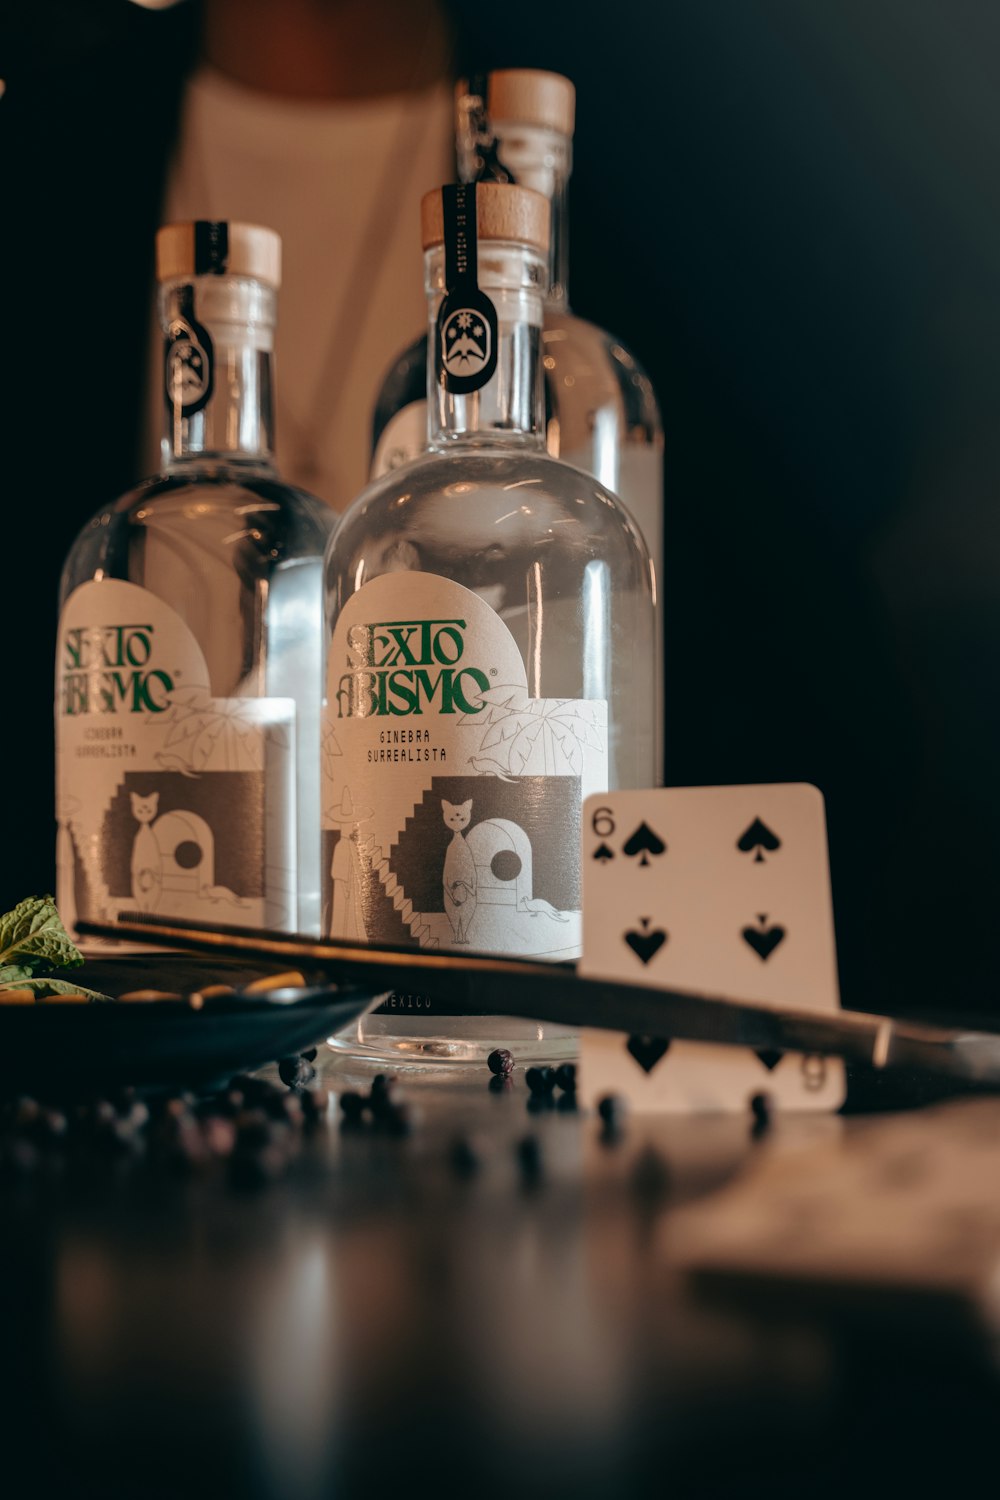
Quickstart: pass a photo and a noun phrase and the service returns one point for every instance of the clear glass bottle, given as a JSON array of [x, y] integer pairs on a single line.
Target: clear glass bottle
[[491, 662], [190, 658], [601, 410]]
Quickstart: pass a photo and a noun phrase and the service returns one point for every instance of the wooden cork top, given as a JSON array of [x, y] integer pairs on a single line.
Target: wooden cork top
[[207, 248], [530, 97], [503, 212]]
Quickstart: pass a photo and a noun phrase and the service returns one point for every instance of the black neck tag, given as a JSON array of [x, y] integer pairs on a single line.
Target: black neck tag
[[465, 353], [490, 168], [211, 247], [188, 360]]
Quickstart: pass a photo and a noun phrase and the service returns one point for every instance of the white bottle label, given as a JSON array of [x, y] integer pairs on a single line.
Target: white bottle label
[[169, 801], [451, 797]]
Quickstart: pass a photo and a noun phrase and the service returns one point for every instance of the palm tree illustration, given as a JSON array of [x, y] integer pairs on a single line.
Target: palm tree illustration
[[527, 736], [215, 734]]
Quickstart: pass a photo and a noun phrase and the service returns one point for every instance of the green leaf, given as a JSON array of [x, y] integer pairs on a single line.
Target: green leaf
[[32, 937], [45, 987]]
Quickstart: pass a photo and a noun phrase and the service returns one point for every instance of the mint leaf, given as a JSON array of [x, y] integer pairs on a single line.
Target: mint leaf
[[32, 937], [44, 987]]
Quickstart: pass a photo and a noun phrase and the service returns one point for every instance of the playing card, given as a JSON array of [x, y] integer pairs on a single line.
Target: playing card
[[901, 1201], [723, 890]]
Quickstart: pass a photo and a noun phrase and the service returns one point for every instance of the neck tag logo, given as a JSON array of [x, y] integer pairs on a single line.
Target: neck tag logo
[[466, 342], [188, 374], [466, 349]]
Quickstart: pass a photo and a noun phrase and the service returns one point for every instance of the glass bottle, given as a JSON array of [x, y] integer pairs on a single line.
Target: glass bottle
[[492, 652], [601, 411], [190, 665]]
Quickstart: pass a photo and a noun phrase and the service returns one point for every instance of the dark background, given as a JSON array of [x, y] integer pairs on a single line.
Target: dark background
[[789, 211]]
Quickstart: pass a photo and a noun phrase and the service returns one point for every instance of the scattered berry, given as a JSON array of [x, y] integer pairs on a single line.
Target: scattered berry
[[219, 1135], [287, 1110], [501, 1062], [612, 1109], [296, 1072], [762, 1108], [314, 1105], [382, 1097], [252, 1120], [540, 1080], [566, 1077]]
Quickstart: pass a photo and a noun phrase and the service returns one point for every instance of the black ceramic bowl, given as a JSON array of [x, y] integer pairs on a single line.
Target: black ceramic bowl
[[59, 1049]]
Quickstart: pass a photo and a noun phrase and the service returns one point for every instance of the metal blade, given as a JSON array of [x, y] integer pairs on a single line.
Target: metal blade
[[556, 993]]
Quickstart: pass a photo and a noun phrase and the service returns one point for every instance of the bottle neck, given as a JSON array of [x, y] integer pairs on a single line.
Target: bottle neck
[[533, 157], [509, 410], [217, 371]]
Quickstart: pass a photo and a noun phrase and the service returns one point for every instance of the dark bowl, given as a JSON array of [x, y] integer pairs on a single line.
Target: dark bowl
[[59, 1050]]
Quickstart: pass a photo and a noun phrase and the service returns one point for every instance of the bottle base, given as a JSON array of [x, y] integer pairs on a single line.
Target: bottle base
[[427, 1041]]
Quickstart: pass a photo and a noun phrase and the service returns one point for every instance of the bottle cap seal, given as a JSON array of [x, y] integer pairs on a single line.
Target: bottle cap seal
[[503, 212], [532, 97], [205, 247]]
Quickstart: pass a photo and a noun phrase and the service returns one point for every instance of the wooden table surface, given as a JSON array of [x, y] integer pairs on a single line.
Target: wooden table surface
[[375, 1321]]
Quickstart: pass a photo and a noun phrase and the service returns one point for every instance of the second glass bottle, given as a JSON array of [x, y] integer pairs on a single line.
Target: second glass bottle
[[492, 657]]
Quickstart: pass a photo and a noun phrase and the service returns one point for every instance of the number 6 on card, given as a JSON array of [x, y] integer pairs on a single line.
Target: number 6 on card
[[724, 890]]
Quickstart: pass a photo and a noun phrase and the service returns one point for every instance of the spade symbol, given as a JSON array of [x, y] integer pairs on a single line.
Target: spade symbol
[[647, 1050], [758, 836], [763, 940], [602, 853], [644, 842], [646, 944], [770, 1059]]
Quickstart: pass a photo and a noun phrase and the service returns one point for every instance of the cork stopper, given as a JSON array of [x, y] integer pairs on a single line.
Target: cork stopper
[[528, 96], [503, 212], [206, 247]]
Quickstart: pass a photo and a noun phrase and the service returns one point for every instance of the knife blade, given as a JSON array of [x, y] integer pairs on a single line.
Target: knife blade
[[557, 993]]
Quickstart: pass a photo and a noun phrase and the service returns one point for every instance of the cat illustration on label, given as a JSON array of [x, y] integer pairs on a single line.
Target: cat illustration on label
[[459, 871], [487, 869], [173, 856], [147, 862]]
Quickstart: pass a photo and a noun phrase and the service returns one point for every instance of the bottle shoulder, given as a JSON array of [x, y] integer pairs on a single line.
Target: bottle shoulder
[[184, 498], [483, 496], [595, 391], [604, 366], [217, 511]]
